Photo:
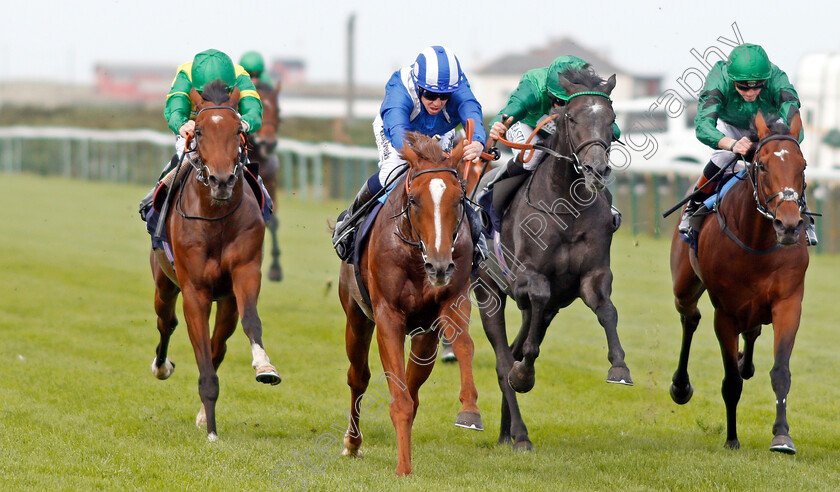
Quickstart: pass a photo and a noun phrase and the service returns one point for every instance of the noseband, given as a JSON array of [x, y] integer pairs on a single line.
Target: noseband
[[202, 172], [419, 244], [786, 195]]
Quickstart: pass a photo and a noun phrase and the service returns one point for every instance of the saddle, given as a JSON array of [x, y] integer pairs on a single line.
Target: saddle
[[710, 206]]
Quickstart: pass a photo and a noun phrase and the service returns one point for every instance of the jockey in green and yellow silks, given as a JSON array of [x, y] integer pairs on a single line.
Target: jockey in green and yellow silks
[[206, 67], [253, 62]]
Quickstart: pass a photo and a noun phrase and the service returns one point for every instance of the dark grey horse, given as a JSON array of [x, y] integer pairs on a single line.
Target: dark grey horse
[[555, 238]]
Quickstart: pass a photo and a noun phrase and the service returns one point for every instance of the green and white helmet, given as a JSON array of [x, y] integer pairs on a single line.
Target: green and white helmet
[[561, 64], [253, 63], [210, 65], [747, 63]]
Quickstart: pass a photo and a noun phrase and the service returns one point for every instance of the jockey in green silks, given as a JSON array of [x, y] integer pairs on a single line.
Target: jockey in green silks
[[735, 91], [539, 91], [178, 111]]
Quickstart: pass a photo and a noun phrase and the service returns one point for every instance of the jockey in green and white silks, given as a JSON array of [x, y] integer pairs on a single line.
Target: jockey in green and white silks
[[178, 110], [539, 91], [735, 91]]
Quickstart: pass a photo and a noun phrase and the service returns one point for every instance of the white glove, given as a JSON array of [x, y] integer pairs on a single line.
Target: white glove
[[245, 126]]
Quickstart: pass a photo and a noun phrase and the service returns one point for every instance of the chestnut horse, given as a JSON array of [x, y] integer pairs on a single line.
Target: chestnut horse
[[217, 240], [261, 149], [754, 277], [416, 268]]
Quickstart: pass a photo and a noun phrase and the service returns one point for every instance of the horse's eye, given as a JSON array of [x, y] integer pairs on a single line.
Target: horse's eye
[[197, 132], [411, 200]]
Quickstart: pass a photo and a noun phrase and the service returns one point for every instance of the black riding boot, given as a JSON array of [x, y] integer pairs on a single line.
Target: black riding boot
[[513, 167], [479, 243], [146, 202], [700, 196], [344, 227]]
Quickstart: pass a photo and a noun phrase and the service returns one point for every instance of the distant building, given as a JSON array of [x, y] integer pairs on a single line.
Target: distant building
[[494, 82], [134, 83], [290, 72], [818, 86]]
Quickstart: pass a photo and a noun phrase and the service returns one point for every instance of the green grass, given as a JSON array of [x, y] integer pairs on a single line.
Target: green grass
[[80, 409]]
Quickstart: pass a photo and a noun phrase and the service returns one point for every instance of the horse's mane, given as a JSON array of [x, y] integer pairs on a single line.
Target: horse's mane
[[263, 86], [584, 76], [216, 92], [426, 148]]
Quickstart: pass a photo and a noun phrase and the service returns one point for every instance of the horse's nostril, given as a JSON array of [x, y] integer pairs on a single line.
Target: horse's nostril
[[231, 180], [450, 269], [429, 268], [213, 180]]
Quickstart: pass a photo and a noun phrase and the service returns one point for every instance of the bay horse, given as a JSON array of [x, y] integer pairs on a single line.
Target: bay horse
[[751, 258], [217, 239], [416, 268], [556, 234], [261, 149]]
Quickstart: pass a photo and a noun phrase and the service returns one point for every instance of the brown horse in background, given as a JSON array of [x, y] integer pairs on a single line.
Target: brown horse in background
[[416, 268], [217, 240], [754, 277], [261, 149]]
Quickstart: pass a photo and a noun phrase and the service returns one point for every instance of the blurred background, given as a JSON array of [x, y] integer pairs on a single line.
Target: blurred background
[[82, 88]]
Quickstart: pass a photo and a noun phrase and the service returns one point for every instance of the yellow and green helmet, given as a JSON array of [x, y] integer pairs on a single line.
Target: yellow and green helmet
[[210, 65], [748, 63], [253, 63], [558, 66]]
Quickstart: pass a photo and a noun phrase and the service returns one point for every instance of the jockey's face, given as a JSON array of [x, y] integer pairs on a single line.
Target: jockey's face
[[434, 102], [748, 93]]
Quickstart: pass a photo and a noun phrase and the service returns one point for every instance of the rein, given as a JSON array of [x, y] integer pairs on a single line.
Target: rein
[[419, 244]]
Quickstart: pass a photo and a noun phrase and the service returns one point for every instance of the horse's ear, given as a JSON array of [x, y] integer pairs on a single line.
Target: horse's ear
[[196, 98], [565, 84], [234, 97], [761, 126], [408, 154], [607, 86], [795, 126], [456, 155]]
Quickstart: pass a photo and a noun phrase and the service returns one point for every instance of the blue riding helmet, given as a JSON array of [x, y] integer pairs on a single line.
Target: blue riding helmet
[[437, 69]]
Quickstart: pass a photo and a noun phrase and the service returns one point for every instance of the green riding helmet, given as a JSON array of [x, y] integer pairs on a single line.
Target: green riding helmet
[[561, 64], [211, 65], [253, 63], [748, 62]]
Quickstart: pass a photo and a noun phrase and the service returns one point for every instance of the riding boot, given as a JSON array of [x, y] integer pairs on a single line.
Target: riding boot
[[343, 232], [513, 167], [704, 188], [146, 202], [447, 354], [479, 243], [810, 230]]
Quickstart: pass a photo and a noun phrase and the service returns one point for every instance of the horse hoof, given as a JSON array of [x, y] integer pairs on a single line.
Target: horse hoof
[[504, 440], [164, 371], [268, 375], [519, 382], [275, 274], [212, 437], [352, 453], [523, 446], [783, 444], [732, 444], [619, 375], [681, 396], [469, 420], [447, 354]]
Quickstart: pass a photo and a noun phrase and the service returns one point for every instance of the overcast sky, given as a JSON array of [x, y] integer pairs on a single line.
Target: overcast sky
[[61, 40]]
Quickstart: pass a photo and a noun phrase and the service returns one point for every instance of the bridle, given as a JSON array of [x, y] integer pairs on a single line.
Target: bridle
[[419, 244], [787, 194], [203, 172], [194, 158]]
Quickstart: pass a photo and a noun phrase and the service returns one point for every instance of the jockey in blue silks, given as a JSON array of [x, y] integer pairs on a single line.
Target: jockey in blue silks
[[432, 96]]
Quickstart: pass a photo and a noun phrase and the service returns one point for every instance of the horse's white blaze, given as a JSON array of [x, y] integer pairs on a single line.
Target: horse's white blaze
[[259, 355], [781, 154], [436, 188], [596, 108], [216, 118]]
